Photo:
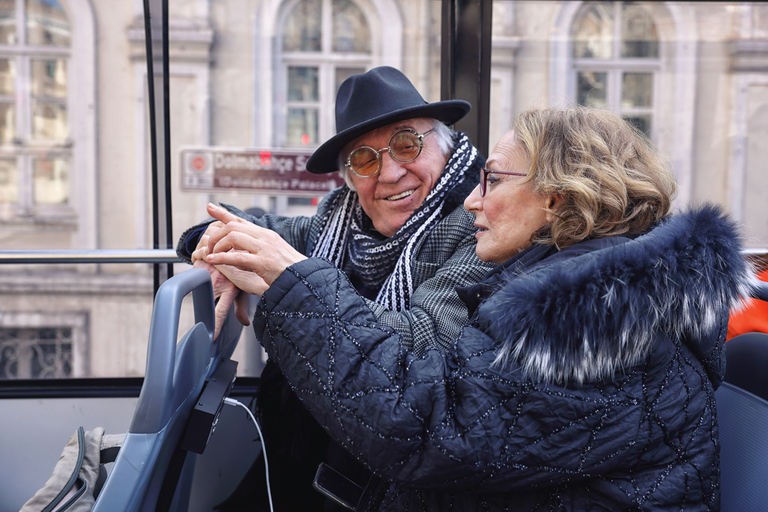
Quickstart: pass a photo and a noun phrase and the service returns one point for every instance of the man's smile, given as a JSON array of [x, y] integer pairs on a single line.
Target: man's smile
[[401, 195]]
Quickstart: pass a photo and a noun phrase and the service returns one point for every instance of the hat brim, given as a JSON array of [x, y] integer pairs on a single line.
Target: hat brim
[[325, 158]]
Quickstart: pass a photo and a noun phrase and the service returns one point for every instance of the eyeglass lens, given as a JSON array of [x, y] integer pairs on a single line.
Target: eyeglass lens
[[404, 146]]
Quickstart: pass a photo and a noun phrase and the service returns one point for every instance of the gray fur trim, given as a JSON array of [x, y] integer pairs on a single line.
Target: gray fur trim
[[595, 315]]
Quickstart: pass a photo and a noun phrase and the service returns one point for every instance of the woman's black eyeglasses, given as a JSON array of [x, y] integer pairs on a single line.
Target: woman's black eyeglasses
[[404, 146], [484, 177]]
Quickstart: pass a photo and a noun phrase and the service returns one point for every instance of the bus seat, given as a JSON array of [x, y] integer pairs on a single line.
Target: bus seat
[[742, 412], [746, 363], [742, 417], [174, 380]]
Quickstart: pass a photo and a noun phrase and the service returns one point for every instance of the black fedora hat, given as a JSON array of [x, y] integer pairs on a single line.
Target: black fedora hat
[[367, 101]]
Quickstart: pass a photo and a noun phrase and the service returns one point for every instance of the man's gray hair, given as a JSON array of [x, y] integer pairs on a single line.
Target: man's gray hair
[[443, 135]]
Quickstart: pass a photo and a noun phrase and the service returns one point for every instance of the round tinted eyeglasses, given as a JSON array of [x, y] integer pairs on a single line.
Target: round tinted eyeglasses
[[484, 177], [404, 146]]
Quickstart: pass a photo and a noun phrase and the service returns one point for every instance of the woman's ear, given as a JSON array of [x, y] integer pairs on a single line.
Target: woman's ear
[[552, 204]]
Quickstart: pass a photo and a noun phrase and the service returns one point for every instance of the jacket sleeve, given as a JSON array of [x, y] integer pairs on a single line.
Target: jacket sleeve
[[444, 420], [300, 232]]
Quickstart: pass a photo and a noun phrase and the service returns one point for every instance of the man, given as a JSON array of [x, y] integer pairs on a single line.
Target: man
[[397, 229]]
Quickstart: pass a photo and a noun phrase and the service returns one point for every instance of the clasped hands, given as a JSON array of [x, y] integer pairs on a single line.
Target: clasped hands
[[242, 258]]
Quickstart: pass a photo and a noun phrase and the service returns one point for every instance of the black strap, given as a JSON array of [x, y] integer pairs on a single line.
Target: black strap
[[171, 480], [74, 477]]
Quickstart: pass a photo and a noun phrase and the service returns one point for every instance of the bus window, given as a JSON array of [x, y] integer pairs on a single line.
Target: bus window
[[684, 73], [253, 92]]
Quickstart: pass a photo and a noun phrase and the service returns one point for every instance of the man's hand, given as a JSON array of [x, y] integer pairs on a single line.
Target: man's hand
[[259, 255]]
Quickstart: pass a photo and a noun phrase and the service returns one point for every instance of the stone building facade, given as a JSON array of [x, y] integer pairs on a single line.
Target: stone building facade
[[263, 74]]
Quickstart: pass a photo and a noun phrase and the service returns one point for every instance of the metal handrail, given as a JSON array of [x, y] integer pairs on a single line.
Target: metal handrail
[[92, 256], [137, 256]]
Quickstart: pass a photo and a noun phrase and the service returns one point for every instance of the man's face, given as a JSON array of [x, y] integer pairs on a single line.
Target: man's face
[[391, 196]]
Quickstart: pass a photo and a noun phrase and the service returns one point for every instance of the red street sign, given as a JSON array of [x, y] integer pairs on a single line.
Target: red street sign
[[273, 172]]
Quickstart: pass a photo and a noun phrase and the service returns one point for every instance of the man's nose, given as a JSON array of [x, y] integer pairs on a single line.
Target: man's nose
[[391, 170]]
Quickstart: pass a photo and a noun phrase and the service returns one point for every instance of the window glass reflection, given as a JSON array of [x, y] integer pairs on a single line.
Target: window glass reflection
[[8, 22], [7, 77], [639, 36], [7, 122], [350, 28], [302, 126], [47, 23], [344, 73], [592, 89], [302, 30], [593, 37], [49, 121], [9, 189], [50, 180], [637, 90], [303, 83], [49, 78]]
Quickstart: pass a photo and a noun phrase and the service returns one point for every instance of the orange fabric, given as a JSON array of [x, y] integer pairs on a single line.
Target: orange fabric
[[753, 318]]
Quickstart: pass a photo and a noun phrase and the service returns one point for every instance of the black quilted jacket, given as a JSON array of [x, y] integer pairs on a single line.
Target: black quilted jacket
[[584, 383]]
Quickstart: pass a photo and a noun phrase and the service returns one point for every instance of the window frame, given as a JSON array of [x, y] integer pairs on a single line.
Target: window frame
[[96, 385], [270, 70], [74, 320], [78, 215], [24, 147], [326, 61], [616, 66], [675, 83]]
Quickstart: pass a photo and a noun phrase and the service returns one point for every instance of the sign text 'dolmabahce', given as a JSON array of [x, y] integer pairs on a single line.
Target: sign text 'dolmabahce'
[[281, 171]]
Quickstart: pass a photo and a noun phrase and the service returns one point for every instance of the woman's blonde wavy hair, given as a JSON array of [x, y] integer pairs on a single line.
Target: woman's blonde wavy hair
[[610, 178]]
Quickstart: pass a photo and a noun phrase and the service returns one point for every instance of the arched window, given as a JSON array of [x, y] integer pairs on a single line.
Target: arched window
[[35, 152], [616, 60], [321, 43]]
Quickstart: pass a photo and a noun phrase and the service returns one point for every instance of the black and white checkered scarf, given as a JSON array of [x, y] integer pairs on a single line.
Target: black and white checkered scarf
[[383, 264]]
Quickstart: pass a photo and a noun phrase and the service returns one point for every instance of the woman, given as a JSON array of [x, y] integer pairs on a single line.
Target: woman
[[585, 379]]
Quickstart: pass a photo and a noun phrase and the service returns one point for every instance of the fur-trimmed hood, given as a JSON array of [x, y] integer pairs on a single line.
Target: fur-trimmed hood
[[590, 316]]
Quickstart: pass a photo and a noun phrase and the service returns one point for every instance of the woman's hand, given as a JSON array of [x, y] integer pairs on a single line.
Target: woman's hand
[[225, 291], [249, 256], [201, 251]]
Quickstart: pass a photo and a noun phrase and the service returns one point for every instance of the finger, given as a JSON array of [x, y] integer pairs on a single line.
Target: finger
[[219, 281], [199, 254], [222, 309], [235, 241], [242, 235], [242, 260], [219, 213], [241, 309], [216, 237], [245, 280], [201, 250]]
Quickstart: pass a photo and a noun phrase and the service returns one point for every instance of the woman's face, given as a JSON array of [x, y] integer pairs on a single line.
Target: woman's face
[[511, 211], [391, 196]]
